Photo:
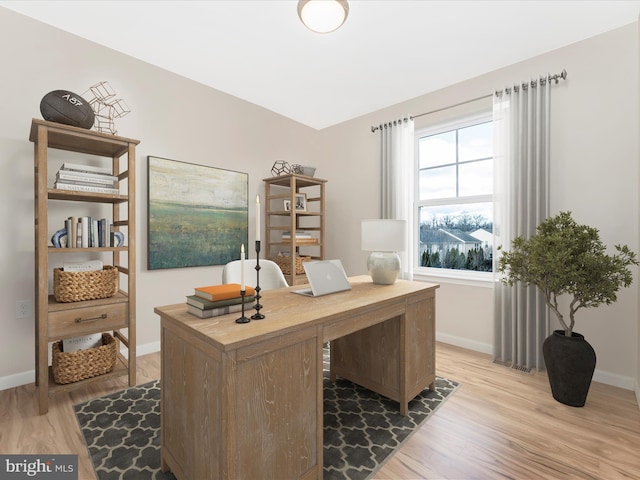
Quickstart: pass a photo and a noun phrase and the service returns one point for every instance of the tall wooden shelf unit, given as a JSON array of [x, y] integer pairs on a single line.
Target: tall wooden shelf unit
[[54, 320], [280, 220]]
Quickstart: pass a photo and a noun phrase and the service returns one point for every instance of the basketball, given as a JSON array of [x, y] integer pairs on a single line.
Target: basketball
[[63, 106]]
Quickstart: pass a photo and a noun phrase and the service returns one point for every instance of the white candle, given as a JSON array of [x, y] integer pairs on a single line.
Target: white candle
[[257, 218], [242, 267]]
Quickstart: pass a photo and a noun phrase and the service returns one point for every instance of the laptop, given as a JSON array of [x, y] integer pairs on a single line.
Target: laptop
[[324, 276]]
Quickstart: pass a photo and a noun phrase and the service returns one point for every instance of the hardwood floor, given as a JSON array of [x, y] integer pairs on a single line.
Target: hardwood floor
[[499, 424]]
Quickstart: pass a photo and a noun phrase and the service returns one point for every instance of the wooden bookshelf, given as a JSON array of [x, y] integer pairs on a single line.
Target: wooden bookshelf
[[57, 320], [282, 216]]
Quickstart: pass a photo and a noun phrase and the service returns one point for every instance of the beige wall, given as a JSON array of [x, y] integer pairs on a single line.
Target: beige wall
[[594, 155], [173, 118]]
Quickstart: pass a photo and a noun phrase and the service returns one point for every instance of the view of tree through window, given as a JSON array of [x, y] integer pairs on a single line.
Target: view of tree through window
[[455, 197]]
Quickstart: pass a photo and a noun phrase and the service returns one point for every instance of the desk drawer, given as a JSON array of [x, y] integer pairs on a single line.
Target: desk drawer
[[82, 321]]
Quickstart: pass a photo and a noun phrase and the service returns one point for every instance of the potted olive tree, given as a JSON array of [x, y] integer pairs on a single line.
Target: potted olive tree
[[565, 258]]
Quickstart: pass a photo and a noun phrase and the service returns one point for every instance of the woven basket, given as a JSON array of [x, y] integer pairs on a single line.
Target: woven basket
[[69, 367], [79, 286], [284, 262]]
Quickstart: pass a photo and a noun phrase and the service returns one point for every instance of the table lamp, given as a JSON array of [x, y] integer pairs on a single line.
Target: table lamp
[[383, 238]]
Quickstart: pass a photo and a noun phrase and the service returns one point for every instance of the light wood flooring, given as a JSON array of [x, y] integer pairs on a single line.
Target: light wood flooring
[[499, 424]]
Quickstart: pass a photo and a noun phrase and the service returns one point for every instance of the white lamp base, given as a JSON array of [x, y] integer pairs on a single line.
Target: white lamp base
[[383, 267]]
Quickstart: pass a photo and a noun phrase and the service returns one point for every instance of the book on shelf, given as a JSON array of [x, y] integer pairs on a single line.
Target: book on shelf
[[204, 304], [85, 188], [72, 176], [75, 167], [215, 312], [310, 241], [299, 234], [222, 291], [86, 183], [82, 343], [93, 239], [104, 233], [86, 266], [71, 224], [83, 229]]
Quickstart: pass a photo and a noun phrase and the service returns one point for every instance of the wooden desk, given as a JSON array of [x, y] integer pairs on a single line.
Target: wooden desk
[[244, 401]]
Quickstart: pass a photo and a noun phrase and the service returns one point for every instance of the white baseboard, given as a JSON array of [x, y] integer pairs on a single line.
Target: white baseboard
[[29, 376], [17, 379], [628, 383], [465, 343], [637, 389], [614, 380], [148, 348]]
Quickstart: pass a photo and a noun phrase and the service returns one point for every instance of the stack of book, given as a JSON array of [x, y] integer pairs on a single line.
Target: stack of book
[[86, 178], [214, 300], [301, 237]]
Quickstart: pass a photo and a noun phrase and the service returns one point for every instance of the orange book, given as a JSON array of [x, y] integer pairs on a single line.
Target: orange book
[[223, 292]]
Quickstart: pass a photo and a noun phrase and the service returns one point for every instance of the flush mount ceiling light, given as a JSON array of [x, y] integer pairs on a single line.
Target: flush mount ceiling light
[[323, 16]]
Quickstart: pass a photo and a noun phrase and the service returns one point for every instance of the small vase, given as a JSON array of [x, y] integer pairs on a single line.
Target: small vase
[[570, 363]]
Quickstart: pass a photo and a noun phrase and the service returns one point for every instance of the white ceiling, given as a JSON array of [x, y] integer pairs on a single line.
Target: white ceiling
[[385, 53]]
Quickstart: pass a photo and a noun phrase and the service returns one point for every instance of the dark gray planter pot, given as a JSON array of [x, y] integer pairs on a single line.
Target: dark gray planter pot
[[570, 362]]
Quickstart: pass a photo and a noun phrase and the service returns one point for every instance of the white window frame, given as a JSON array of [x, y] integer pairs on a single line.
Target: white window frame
[[430, 274]]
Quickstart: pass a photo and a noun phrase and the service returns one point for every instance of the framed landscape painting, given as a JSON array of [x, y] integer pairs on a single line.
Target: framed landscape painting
[[197, 215]]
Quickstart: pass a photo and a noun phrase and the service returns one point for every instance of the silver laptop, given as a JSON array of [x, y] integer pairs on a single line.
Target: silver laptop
[[324, 276]]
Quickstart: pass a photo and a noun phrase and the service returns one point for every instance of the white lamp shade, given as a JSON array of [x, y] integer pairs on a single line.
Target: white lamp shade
[[323, 16], [384, 235]]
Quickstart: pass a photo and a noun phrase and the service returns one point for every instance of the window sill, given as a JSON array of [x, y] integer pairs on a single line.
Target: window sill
[[455, 277]]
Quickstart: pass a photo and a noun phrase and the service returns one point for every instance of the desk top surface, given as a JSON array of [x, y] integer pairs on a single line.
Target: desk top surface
[[286, 312]]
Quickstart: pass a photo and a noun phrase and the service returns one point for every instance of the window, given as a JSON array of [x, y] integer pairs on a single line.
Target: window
[[454, 197]]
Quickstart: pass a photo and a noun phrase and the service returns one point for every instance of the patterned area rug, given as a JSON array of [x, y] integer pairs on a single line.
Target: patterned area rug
[[361, 429]]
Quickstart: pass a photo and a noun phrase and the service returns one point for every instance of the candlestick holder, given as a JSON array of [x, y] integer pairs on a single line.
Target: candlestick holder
[[257, 306], [243, 319]]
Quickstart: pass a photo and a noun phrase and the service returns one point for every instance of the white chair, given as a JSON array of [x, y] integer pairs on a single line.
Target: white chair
[[270, 274]]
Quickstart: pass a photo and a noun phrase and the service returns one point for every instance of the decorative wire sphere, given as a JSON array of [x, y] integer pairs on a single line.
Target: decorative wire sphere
[[280, 167]]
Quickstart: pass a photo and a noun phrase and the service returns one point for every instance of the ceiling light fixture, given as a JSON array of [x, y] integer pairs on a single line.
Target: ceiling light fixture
[[323, 16]]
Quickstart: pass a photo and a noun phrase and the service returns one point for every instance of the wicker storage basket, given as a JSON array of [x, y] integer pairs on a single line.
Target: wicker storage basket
[[79, 286], [69, 367], [284, 262]]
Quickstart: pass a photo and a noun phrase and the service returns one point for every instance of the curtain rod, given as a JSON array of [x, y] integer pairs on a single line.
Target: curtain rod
[[525, 85], [534, 83]]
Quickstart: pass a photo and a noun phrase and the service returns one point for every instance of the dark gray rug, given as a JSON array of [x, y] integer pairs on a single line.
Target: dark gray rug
[[361, 429]]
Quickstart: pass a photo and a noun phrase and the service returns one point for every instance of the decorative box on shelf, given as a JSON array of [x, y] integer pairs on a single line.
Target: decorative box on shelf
[[69, 367]]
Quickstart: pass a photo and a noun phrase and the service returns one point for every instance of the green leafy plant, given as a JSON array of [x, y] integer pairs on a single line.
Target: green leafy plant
[[564, 257]]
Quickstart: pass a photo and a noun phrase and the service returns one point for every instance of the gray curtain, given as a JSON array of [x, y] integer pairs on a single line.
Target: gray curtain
[[521, 202]]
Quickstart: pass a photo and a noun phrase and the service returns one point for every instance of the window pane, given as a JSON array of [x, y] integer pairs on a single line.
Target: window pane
[[476, 178], [475, 142], [437, 149], [456, 236], [438, 183]]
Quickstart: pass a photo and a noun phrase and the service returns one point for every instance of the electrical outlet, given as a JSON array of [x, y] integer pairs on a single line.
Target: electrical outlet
[[24, 309]]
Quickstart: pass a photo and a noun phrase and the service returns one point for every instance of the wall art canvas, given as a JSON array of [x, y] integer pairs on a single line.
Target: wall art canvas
[[197, 215]]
